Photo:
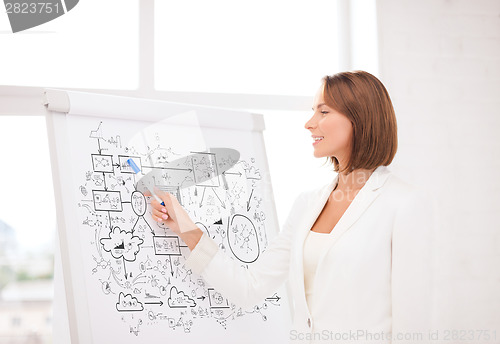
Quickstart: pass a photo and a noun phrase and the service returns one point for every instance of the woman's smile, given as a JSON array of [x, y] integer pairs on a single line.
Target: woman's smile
[[317, 139]]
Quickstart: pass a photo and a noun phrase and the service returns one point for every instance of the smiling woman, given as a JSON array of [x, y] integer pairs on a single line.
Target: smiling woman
[[359, 264], [355, 109]]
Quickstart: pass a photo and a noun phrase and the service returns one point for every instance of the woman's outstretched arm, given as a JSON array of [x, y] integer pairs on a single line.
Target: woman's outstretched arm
[[243, 286]]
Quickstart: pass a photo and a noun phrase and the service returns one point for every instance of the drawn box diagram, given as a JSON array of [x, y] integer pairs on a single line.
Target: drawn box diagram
[[216, 299], [125, 167], [167, 245], [205, 169], [107, 200], [102, 163]]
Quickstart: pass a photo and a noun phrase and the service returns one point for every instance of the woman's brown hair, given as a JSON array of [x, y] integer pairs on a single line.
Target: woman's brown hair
[[363, 99]]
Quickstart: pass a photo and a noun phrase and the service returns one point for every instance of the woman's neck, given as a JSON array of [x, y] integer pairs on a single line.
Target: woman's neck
[[354, 180]]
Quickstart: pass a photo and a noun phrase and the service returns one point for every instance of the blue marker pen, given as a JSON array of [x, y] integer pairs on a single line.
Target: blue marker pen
[[136, 169]]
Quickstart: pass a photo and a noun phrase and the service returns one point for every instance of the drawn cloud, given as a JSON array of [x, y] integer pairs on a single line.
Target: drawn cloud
[[122, 244], [251, 171], [127, 303], [179, 299]]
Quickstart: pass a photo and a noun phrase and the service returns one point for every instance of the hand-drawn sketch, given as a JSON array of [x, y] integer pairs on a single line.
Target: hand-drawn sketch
[[138, 264]]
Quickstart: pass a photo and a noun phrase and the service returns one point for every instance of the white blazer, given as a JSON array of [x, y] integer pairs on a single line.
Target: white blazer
[[374, 279]]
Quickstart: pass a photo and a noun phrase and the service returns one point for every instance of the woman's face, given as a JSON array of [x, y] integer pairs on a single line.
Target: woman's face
[[331, 130]]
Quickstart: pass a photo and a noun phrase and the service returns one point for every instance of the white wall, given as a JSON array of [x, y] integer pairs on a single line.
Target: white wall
[[440, 60]]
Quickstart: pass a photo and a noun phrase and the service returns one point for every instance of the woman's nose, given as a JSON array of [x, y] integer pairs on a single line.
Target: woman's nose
[[310, 124]]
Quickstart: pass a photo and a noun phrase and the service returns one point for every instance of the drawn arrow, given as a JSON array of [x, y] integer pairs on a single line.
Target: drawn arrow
[[274, 298], [222, 203], [104, 179], [86, 206], [124, 268], [224, 180], [151, 229], [201, 298], [249, 199], [135, 224], [169, 168], [171, 268], [202, 196], [116, 278], [109, 219], [154, 303], [233, 173]]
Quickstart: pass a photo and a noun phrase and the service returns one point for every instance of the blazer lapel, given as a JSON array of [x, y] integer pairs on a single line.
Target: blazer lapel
[[368, 193]]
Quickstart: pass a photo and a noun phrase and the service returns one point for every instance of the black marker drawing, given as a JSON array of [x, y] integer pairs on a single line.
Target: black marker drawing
[[137, 263], [128, 303]]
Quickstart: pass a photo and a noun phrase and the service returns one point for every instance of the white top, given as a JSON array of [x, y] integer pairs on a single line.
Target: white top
[[314, 247]]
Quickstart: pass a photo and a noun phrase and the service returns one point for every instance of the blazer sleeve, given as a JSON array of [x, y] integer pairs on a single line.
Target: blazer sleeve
[[413, 266], [246, 287]]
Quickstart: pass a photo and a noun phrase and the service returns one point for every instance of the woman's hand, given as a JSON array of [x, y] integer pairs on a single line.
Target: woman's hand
[[175, 217]]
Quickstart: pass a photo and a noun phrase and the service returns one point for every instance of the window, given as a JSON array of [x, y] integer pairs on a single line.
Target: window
[[269, 52], [261, 47], [95, 45], [27, 229]]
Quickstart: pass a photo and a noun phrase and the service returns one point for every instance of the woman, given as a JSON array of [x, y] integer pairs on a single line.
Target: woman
[[356, 252]]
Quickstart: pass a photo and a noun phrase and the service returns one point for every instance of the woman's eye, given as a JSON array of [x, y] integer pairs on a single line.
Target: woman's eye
[[324, 112]]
